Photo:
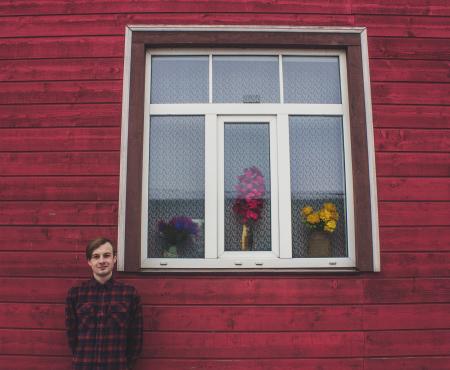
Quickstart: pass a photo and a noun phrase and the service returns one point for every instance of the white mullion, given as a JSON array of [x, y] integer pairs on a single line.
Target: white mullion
[[284, 180], [210, 84], [220, 187], [280, 69], [273, 145], [211, 179], [246, 109], [145, 162]]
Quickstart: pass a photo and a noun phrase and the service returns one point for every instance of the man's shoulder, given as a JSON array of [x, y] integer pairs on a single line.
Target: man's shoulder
[[75, 290], [125, 287]]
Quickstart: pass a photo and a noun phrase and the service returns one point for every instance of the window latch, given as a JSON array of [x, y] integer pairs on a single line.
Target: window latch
[[238, 263], [332, 263], [259, 263], [163, 263]]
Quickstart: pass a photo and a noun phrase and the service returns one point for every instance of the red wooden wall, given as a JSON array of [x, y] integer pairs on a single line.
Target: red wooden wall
[[60, 109]]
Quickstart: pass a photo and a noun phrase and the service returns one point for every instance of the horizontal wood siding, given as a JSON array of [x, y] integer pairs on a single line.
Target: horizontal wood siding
[[61, 69]]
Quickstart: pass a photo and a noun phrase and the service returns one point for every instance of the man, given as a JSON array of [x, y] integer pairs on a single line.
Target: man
[[103, 316]]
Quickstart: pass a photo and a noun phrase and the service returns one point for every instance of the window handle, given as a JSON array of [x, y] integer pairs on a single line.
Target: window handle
[[332, 263], [259, 263], [238, 263], [163, 263]]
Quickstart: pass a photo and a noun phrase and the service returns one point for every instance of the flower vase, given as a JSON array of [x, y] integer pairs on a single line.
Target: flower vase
[[319, 244], [170, 252], [247, 238]]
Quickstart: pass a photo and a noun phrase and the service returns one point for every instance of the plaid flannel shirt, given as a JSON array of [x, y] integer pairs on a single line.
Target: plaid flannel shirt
[[104, 325]]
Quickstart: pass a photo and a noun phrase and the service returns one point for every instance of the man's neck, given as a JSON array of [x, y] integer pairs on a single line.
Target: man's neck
[[103, 279]]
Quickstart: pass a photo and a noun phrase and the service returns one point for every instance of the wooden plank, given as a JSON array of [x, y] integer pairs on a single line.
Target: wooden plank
[[62, 47], [410, 290], [32, 316], [60, 139], [61, 69], [50, 264], [60, 188], [413, 164], [412, 140], [407, 343], [59, 238], [199, 290], [404, 26], [409, 48], [253, 319], [244, 290], [60, 115], [413, 316], [415, 7], [410, 93], [25, 362], [201, 319], [202, 345], [415, 265], [413, 189], [58, 213], [409, 70], [412, 116], [33, 342], [415, 239], [27, 7], [252, 364], [254, 345], [61, 92], [413, 213], [407, 363], [60, 164], [36, 289], [114, 24], [400, 7]]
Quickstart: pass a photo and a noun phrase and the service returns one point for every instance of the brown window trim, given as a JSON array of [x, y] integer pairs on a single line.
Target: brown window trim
[[350, 41]]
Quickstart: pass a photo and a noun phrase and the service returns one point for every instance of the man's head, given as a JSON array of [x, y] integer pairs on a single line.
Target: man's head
[[101, 257]]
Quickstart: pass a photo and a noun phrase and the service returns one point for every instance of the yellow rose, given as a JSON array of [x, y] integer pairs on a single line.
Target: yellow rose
[[313, 218], [325, 215], [334, 216], [329, 207], [330, 226], [307, 210]]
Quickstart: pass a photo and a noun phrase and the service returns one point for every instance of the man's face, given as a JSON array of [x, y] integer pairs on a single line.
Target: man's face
[[102, 261]]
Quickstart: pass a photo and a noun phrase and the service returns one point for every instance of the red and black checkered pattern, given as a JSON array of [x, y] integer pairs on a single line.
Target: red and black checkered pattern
[[104, 325]]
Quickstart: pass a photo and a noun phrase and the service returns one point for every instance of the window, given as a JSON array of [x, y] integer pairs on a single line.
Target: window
[[238, 154]]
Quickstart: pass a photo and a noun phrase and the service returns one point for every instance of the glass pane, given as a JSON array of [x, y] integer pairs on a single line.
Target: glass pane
[[246, 79], [176, 200], [179, 79], [247, 187], [311, 80], [318, 187]]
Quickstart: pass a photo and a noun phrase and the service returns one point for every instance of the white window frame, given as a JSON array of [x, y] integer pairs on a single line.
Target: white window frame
[[278, 115]]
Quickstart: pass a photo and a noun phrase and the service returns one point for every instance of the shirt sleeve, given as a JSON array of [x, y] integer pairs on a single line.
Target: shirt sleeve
[[135, 331], [71, 320]]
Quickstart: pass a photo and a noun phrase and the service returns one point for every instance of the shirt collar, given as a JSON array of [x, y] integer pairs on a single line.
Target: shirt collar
[[95, 284]]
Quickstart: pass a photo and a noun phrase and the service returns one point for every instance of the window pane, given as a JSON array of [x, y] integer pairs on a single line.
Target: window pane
[[176, 208], [246, 79], [179, 79], [317, 178], [311, 80], [247, 186]]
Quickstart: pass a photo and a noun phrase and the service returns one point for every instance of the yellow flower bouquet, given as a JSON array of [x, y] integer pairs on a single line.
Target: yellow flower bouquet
[[325, 219]]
